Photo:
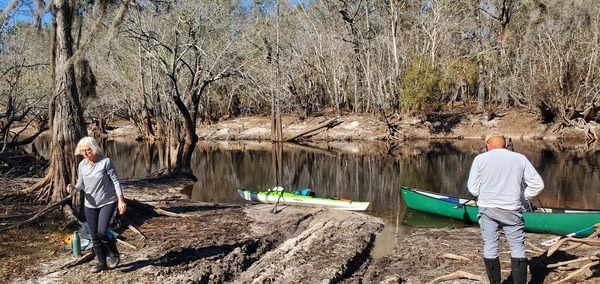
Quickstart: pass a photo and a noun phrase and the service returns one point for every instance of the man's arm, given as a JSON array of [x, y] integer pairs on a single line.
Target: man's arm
[[474, 179], [533, 180]]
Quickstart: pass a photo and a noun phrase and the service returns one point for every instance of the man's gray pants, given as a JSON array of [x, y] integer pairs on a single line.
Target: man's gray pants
[[491, 220]]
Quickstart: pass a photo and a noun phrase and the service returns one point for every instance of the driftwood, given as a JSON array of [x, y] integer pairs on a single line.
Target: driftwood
[[327, 124], [457, 275], [454, 256], [580, 271]]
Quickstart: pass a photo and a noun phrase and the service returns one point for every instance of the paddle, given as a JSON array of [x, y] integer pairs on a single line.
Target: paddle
[[555, 240], [280, 189], [461, 205]]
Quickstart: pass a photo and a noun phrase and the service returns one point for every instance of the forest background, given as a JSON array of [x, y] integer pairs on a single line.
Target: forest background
[[171, 67]]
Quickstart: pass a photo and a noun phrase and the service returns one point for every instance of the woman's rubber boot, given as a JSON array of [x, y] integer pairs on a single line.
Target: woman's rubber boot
[[101, 255], [113, 254], [492, 267], [519, 270]]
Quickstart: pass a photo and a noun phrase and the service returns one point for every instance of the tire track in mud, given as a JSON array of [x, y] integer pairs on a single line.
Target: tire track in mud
[[333, 245]]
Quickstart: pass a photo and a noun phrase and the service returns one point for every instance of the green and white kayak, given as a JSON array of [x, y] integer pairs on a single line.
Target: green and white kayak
[[288, 198]]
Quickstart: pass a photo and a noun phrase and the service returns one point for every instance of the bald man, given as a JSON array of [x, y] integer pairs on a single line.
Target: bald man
[[496, 178]]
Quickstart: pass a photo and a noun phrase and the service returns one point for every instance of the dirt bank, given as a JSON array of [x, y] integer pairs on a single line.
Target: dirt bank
[[517, 124]]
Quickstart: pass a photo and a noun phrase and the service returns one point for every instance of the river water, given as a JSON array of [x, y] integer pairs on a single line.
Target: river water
[[372, 171]]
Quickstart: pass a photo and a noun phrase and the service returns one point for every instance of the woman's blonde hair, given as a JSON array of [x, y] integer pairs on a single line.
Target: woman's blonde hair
[[87, 142]]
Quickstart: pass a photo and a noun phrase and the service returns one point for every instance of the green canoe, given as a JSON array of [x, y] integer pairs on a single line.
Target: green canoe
[[288, 198], [544, 220]]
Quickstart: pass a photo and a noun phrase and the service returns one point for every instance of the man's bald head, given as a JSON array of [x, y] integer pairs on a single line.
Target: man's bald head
[[495, 140], [495, 143]]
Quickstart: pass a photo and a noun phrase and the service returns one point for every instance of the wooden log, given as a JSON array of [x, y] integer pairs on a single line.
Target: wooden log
[[327, 124]]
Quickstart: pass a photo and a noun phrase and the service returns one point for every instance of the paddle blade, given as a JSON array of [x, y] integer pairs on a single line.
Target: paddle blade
[[551, 242]]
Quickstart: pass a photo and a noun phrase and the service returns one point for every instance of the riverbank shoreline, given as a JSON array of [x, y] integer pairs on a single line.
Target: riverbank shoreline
[[514, 123]]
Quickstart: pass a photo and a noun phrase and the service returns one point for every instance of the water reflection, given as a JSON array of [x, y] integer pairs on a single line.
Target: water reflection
[[365, 171]]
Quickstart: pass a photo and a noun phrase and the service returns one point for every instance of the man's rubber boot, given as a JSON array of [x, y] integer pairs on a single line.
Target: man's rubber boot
[[492, 267], [101, 255], [519, 270], [113, 254]]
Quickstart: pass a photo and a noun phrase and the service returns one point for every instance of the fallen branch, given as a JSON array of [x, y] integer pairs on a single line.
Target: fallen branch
[[132, 227], [457, 275], [38, 215], [126, 244], [146, 208], [454, 256], [327, 124], [167, 213]]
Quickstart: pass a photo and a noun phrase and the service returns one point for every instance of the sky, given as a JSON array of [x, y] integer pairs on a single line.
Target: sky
[[26, 8], [24, 11]]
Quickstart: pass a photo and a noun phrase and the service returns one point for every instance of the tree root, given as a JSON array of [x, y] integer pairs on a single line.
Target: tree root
[[85, 258], [558, 264], [580, 271]]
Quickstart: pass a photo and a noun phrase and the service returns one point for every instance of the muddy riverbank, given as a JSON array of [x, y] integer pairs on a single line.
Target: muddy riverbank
[[235, 243]]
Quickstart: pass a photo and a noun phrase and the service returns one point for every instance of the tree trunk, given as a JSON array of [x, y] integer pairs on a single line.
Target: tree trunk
[[146, 120], [480, 65], [65, 110], [187, 146]]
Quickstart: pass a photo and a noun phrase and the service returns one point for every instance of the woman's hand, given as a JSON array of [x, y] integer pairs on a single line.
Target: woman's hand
[[121, 204], [69, 188]]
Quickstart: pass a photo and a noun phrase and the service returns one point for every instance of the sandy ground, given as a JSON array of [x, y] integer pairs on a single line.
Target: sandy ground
[[217, 243]]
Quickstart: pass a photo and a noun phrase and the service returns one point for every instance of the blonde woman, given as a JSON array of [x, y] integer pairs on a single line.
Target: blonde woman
[[97, 177]]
